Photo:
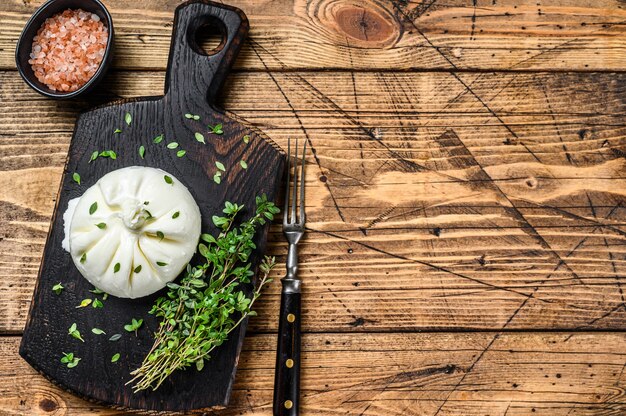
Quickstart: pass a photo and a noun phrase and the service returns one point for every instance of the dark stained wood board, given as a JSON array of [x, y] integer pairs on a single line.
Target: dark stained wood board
[[193, 80]]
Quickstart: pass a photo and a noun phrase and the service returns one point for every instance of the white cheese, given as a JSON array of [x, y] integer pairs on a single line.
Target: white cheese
[[67, 220], [141, 235]]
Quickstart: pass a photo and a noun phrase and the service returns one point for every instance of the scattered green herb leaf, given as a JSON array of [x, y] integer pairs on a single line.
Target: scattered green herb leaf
[[83, 258], [94, 156], [246, 139], [142, 151], [172, 145], [217, 129], [181, 153], [137, 269], [101, 225], [70, 360], [73, 331], [108, 153], [158, 139], [115, 357], [58, 288], [97, 303], [76, 177], [176, 214], [117, 131], [98, 331], [188, 116], [243, 164], [96, 291], [199, 137], [134, 325], [84, 303], [93, 208], [217, 178], [116, 268], [115, 337], [160, 235], [220, 166], [128, 118], [168, 179], [162, 264]]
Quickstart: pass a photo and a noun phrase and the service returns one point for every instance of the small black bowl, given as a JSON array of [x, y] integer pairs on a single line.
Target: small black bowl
[[25, 44]]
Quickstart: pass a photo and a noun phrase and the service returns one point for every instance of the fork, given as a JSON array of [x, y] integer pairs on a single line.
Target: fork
[[287, 371]]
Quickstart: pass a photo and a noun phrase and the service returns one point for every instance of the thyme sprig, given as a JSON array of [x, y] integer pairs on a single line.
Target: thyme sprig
[[200, 311]]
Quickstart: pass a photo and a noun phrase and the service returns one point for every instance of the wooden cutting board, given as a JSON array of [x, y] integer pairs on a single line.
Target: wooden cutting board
[[193, 80]]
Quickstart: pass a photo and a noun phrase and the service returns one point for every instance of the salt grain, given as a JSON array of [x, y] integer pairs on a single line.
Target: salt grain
[[68, 49]]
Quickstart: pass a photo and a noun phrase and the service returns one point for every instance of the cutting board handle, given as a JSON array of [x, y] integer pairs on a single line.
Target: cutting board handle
[[190, 70]]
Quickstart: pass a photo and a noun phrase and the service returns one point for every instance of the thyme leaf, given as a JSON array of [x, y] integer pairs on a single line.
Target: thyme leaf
[[199, 137], [58, 288]]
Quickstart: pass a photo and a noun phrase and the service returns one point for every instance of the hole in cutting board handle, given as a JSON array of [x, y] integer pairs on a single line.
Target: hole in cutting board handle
[[208, 36], [191, 68]]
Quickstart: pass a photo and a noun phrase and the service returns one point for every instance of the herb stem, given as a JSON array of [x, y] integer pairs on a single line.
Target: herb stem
[[200, 312]]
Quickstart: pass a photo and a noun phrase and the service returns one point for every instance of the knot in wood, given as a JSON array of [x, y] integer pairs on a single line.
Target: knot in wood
[[48, 405], [370, 26], [532, 182]]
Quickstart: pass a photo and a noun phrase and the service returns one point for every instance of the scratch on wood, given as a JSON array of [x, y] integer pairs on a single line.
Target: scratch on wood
[[577, 217], [407, 165], [464, 84], [304, 131], [473, 19], [567, 43], [466, 373], [430, 265], [610, 253], [556, 126], [379, 218], [341, 302], [512, 209]]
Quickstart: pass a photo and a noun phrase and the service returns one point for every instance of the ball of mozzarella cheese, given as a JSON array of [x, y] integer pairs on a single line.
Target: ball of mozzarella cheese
[[132, 232]]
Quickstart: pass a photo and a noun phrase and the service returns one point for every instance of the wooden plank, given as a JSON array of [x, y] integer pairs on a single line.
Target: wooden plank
[[550, 35], [396, 374], [430, 205]]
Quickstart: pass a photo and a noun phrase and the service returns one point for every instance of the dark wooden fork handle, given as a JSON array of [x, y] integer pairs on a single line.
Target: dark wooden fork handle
[[287, 376]]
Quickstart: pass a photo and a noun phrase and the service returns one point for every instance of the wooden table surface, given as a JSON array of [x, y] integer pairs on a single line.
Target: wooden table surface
[[466, 199]]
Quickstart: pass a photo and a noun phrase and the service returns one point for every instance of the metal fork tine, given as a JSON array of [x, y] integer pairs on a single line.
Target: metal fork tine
[[295, 185], [302, 215], [286, 206]]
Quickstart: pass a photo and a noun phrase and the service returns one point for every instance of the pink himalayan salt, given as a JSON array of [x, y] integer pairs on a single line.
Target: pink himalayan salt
[[68, 49]]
